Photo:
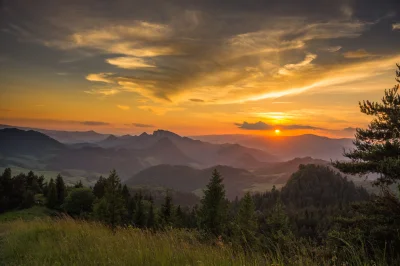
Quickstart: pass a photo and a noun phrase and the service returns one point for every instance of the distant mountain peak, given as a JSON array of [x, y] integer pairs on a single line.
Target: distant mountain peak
[[111, 138], [164, 133], [144, 134]]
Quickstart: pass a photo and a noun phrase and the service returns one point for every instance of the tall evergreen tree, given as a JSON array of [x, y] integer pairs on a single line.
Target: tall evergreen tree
[[52, 199], [246, 221], [139, 218], [166, 211], [61, 191], [378, 146], [213, 210], [151, 218], [5, 189], [111, 207], [100, 187]]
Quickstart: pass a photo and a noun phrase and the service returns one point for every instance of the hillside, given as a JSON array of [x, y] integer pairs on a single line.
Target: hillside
[[19, 142], [67, 137]]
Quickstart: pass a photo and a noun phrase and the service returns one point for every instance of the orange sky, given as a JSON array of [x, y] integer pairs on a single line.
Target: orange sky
[[188, 70]]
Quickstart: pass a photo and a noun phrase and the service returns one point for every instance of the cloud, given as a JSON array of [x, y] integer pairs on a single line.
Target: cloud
[[331, 49], [103, 92], [129, 62], [349, 129], [396, 26], [141, 125], [290, 68], [263, 126], [360, 53], [100, 77], [123, 107], [160, 110], [197, 100], [94, 123]]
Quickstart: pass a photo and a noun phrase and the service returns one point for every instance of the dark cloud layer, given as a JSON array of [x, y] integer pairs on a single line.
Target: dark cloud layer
[[161, 49], [94, 123], [264, 126], [142, 125]]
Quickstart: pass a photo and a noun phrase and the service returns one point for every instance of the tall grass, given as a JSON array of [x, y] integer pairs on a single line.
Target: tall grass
[[70, 242]]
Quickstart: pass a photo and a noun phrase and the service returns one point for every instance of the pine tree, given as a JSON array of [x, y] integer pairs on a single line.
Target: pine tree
[[111, 208], [246, 221], [125, 194], [139, 218], [179, 217], [99, 187], [60, 186], [52, 199], [166, 211], [151, 219], [378, 147], [213, 210], [5, 189]]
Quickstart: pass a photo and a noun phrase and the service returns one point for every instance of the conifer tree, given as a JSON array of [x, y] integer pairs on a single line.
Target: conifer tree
[[99, 187], [378, 146], [246, 221], [5, 189], [213, 210], [111, 208], [139, 218], [166, 211], [60, 186], [52, 199], [151, 219]]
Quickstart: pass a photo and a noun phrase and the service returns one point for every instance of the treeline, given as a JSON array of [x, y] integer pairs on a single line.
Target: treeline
[[317, 207]]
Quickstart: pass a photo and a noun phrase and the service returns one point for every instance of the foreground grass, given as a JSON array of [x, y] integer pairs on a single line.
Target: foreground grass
[[70, 242], [26, 214]]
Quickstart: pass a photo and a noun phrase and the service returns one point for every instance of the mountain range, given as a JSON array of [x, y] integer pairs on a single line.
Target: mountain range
[[166, 159]]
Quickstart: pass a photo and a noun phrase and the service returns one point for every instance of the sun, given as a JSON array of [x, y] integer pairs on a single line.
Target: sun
[[277, 131]]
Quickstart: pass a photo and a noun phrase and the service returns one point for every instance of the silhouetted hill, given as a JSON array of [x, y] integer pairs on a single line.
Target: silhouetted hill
[[288, 147], [320, 186], [67, 137], [20, 142]]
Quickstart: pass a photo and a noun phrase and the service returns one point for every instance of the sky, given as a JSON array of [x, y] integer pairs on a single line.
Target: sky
[[196, 67]]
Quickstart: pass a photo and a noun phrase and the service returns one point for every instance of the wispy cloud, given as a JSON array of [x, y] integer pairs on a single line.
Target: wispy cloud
[[290, 68], [129, 62], [94, 123], [396, 26], [360, 53], [123, 107], [103, 91], [142, 125]]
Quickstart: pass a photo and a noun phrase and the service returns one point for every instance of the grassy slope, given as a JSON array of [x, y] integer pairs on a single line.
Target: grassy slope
[[68, 242], [26, 214]]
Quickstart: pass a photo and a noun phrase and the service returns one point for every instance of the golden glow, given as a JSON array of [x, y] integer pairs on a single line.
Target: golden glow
[[277, 131]]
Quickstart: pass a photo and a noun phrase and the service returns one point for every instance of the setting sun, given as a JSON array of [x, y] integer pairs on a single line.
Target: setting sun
[[277, 131]]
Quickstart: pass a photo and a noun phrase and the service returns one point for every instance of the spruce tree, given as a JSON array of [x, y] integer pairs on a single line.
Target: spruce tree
[[139, 218], [99, 187], [111, 207], [378, 146], [246, 221], [5, 189], [166, 211], [213, 210], [60, 186], [151, 219], [52, 199]]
